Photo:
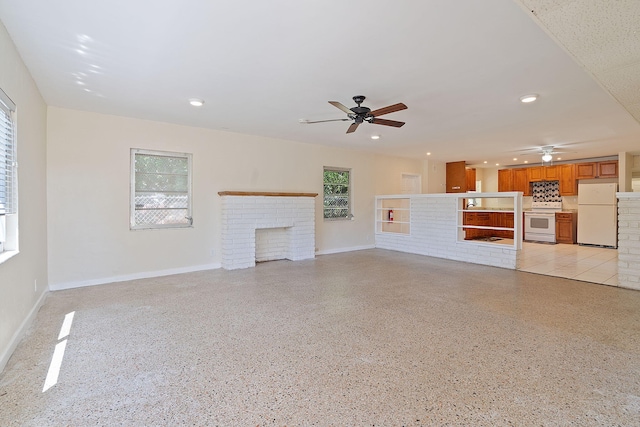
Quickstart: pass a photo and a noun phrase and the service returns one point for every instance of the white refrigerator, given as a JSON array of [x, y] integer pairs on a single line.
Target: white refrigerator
[[598, 214]]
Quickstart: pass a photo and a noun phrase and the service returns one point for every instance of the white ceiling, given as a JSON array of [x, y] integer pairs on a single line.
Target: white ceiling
[[460, 67]]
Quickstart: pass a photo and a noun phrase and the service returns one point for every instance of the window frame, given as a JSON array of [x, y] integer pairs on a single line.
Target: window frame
[[9, 217], [349, 215], [132, 190]]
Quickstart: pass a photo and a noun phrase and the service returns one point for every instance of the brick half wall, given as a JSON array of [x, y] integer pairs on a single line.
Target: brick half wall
[[629, 240]]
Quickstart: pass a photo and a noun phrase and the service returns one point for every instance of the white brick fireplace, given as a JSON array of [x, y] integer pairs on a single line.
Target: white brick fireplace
[[284, 222]]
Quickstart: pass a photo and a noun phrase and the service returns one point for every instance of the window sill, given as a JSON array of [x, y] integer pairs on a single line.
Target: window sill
[[4, 256]]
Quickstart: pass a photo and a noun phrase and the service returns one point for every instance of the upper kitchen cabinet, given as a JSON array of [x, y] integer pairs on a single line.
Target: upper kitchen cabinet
[[535, 173], [521, 181], [471, 179], [567, 178], [543, 173], [551, 173], [514, 180], [608, 169], [586, 170], [456, 177], [505, 180]]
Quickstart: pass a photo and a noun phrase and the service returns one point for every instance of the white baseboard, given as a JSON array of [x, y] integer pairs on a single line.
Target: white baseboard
[[17, 336], [134, 276], [340, 250]]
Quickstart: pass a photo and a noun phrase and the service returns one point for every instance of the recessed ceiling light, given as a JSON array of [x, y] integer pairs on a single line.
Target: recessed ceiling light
[[526, 161], [515, 158], [497, 164], [558, 158], [196, 102], [428, 154], [375, 136], [528, 98], [485, 162]]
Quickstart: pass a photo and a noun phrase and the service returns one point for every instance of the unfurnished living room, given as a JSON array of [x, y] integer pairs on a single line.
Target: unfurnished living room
[[320, 213]]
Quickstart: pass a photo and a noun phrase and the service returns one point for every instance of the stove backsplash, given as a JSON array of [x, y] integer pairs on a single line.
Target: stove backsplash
[[546, 191]]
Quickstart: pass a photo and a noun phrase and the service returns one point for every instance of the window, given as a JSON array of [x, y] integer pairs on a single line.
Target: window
[[8, 175], [337, 193], [160, 189]]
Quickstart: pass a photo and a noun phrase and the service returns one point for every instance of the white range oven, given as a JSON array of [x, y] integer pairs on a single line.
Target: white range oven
[[540, 221]]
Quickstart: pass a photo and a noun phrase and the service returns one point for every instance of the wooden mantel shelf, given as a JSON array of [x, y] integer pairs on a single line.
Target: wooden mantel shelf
[[265, 193]]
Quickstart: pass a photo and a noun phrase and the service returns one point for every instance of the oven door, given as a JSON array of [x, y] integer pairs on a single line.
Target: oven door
[[540, 226]]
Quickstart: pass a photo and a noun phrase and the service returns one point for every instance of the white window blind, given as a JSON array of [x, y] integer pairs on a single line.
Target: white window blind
[[8, 165], [160, 189]]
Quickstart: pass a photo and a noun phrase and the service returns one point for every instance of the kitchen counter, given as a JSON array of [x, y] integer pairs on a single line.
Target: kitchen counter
[[487, 208]]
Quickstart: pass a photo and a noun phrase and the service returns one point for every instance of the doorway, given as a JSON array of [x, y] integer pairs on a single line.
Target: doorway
[[411, 184]]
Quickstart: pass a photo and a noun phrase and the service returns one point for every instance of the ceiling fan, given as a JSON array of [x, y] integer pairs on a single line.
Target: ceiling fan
[[547, 152], [360, 114]]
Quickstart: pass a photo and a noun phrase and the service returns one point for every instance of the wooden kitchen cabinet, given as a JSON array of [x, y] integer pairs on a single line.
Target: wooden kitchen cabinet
[[488, 219], [566, 227], [514, 180], [535, 174], [477, 218], [504, 220], [521, 181], [456, 177], [551, 173], [543, 173], [608, 169], [567, 178], [505, 180], [586, 170], [471, 179]]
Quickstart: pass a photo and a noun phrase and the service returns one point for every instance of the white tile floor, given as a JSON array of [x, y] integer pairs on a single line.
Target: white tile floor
[[586, 263]]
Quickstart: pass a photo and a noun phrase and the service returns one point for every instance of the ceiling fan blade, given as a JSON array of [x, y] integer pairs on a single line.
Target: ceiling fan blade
[[390, 109], [353, 127], [385, 122], [340, 106], [308, 122]]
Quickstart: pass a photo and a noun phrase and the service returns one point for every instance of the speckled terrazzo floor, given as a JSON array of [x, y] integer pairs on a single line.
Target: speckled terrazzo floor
[[364, 338]]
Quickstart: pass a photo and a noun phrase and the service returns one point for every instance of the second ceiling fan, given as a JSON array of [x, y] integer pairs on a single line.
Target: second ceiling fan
[[360, 114]]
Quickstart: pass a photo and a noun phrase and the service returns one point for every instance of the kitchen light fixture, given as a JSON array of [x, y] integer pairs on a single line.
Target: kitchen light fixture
[[526, 161], [428, 154], [528, 98], [196, 102], [515, 158], [375, 136], [546, 157]]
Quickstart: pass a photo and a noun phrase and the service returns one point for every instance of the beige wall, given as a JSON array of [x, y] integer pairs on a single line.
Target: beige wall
[[434, 176], [88, 193], [18, 296], [490, 180], [388, 173]]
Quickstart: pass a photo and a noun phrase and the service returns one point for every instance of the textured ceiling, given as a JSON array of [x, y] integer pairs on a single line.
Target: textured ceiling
[[603, 36], [460, 66]]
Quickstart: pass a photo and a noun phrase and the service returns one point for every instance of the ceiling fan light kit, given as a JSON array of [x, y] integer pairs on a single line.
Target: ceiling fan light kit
[[360, 114]]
